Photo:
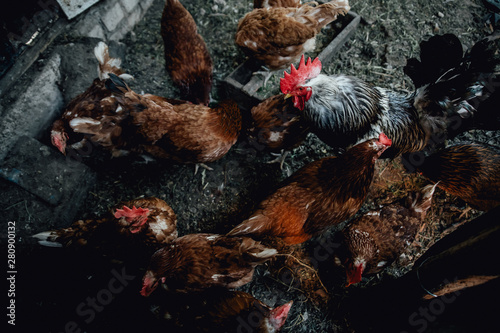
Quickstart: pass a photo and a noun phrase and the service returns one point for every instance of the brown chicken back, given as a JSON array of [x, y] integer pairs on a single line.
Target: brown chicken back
[[469, 171], [276, 125], [183, 132], [144, 224], [221, 310], [275, 3], [321, 194], [374, 240], [278, 36], [199, 261], [187, 59]]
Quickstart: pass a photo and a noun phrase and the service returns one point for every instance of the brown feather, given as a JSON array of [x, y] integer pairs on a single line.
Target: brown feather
[[468, 171], [186, 55], [319, 195], [198, 261]]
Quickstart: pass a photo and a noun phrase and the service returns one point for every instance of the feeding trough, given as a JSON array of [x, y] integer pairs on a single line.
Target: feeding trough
[[248, 89]]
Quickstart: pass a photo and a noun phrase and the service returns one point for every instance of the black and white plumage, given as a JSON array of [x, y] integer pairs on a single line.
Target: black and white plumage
[[344, 110]]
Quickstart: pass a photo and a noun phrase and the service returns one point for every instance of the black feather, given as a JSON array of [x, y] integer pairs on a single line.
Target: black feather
[[116, 84]]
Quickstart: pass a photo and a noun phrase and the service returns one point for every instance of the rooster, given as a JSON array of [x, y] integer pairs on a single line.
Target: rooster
[[221, 310], [319, 195], [199, 261], [278, 36], [145, 223], [276, 126], [186, 55], [344, 110], [96, 104], [468, 171], [180, 131], [378, 237]]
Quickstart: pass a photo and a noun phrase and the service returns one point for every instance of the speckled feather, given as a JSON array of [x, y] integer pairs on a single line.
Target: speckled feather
[[198, 261], [378, 237], [95, 110], [344, 110], [112, 236]]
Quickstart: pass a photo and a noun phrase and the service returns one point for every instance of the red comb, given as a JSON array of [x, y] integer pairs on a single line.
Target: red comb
[[383, 139], [304, 72], [139, 215]]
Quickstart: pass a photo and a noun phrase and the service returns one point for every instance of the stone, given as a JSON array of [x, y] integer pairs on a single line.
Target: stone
[[38, 104], [113, 16], [42, 186]]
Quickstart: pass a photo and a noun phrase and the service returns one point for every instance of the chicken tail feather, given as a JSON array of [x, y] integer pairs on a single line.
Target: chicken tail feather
[[107, 64], [47, 238], [116, 84]]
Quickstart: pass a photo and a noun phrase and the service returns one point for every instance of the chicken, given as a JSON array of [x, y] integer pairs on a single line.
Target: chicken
[[187, 58], [183, 132], [319, 195], [276, 126], [344, 110], [221, 310], [275, 3], [199, 261], [377, 238], [469, 171], [96, 104], [140, 225], [278, 36]]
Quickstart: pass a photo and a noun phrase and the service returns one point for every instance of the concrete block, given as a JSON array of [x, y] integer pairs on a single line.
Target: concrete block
[[90, 26], [44, 172], [38, 103], [134, 17], [145, 4], [129, 4], [113, 16], [42, 189]]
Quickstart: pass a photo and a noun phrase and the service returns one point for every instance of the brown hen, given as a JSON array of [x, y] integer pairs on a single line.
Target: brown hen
[[199, 261], [96, 105], [319, 195], [140, 225], [221, 310], [278, 36], [186, 55], [183, 132], [468, 171], [276, 126], [275, 3], [378, 237]]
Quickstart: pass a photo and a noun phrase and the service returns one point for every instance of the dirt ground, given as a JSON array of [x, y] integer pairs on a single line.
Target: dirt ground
[[214, 201]]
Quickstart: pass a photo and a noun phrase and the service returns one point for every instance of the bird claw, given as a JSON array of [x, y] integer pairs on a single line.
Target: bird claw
[[280, 158], [203, 165]]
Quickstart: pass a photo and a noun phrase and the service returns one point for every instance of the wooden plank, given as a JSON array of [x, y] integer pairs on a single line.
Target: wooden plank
[[28, 57]]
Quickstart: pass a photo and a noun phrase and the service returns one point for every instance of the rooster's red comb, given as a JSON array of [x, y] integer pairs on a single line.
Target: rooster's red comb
[[304, 72], [383, 139], [131, 213]]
